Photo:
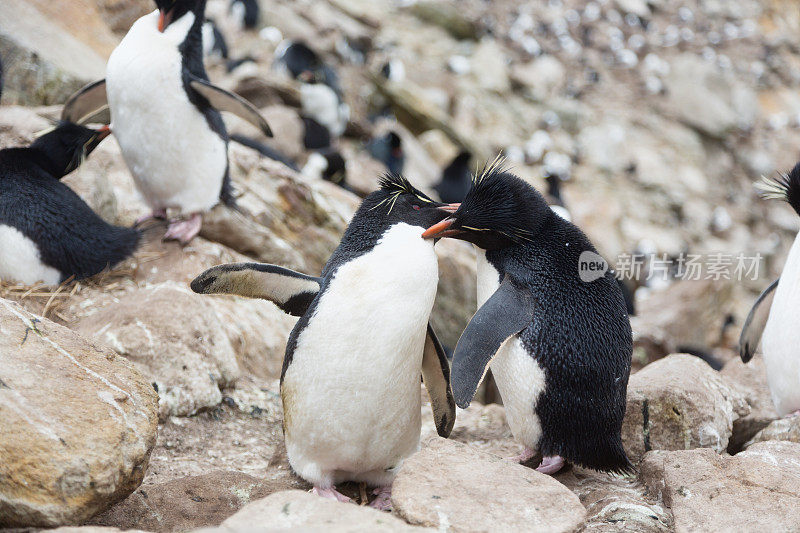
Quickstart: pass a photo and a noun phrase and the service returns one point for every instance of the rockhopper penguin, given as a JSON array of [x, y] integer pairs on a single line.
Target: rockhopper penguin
[[47, 233], [351, 374], [559, 347], [775, 313], [165, 115]]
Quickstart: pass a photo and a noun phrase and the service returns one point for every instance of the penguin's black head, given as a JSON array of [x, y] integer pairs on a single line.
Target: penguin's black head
[[63, 148], [172, 10], [398, 201], [499, 211]]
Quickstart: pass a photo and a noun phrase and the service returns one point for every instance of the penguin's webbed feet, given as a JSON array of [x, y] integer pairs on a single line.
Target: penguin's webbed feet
[[157, 214], [551, 464], [383, 501], [184, 230], [525, 455], [331, 493]]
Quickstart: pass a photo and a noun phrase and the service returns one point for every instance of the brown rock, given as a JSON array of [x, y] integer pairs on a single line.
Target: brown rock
[[451, 486], [679, 403], [751, 380], [756, 490], [187, 503], [175, 337], [294, 509], [786, 429], [78, 423]]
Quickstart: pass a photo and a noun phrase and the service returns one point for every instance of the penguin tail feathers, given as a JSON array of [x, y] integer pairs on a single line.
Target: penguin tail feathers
[[226, 194], [123, 242], [604, 455], [785, 187]]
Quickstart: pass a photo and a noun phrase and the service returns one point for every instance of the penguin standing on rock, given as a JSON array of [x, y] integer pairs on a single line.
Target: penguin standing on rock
[[351, 374], [47, 233], [772, 320], [166, 115], [558, 343]]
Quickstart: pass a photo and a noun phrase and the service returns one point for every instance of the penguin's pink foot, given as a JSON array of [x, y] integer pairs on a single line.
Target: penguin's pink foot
[[383, 502], [550, 465], [184, 230], [526, 454], [332, 494], [156, 214]]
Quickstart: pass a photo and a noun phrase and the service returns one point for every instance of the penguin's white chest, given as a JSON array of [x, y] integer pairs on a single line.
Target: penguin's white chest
[[352, 392], [518, 375], [781, 339], [175, 158], [20, 259], [321, 103]]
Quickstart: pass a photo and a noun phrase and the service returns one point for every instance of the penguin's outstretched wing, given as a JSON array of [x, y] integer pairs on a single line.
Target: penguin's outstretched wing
[[88, 104], [223, 100], [292, 291], [756, 320], [436, 376], [509, 310]]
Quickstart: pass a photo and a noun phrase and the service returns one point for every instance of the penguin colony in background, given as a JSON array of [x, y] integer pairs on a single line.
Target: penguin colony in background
[[351, 373], [559, 347], [772, 320]]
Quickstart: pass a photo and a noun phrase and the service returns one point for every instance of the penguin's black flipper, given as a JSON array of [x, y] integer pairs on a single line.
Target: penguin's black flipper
[[223, 100], [509, 310], [86, 103], [292, 291], [436, 376], [756, 320]]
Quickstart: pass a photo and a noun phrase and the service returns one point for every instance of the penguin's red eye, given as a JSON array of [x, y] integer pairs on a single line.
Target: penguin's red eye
[[416, 207]]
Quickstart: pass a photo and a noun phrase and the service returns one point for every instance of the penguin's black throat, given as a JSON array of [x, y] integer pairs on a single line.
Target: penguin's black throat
[[499, 211]]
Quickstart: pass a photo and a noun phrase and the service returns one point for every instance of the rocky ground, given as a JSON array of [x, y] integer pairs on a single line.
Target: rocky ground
[[129, 402]]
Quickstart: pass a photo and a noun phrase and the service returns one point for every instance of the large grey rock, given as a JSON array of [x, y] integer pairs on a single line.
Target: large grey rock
[[751, 380], [714, 102], [176, 338], [453, 487], [679, 403], [295, 510], [785, 429], [77, 423], [42, 62], [756, 490]]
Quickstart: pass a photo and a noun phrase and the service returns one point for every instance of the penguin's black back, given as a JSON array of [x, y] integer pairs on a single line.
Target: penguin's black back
[[70, 236], [581, 337]]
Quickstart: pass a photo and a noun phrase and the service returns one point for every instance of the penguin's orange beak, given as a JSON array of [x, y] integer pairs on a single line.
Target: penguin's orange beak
[[441, 229], [164, 20]]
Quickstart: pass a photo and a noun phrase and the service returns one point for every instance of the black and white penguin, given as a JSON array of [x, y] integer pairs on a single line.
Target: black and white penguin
[[388, 149], [166, 115], [214, 42], [559, 347], [772, 318], [328, 165], [351, 375], [321, 96], [47, 233], [554, 197], [456, 179], [315, 135], [246, 13]]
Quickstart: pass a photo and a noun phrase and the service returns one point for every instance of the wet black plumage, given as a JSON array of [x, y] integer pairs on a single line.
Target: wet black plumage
[[580, 334], [70, 236]]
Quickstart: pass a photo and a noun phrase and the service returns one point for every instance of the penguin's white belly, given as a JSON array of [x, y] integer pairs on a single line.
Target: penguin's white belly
[[175, 158], [352, 392], [781, 339], [518, 375], [20, 259]]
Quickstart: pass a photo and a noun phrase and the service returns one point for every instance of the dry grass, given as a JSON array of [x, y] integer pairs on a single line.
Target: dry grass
[[49, 301]]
